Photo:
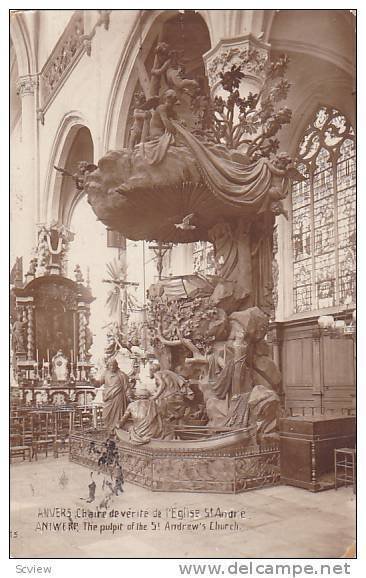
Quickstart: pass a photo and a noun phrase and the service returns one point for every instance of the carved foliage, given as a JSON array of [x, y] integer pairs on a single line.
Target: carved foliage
[[252, 60], [193, 320], [252, 120], [27, 84]]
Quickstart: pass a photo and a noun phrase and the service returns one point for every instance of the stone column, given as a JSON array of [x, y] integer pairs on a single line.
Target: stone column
[[27, 88]]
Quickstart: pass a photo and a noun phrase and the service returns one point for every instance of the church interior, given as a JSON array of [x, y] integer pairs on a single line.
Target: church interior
[[183, 283]]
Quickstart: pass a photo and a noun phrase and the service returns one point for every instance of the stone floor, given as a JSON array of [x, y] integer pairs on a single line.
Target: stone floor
[[277, 522]]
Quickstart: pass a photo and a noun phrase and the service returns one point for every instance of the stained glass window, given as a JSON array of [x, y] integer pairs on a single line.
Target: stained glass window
[[324, 215], [203, 258]]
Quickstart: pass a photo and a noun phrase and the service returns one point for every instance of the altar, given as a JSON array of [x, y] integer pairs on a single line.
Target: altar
[[51, 339]]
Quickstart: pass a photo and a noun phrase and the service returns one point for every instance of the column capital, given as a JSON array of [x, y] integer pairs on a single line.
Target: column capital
[[247, 51], [27, 85]]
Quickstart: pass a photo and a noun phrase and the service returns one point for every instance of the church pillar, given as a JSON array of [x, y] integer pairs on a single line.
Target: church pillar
[[224, 24], [27, 88]]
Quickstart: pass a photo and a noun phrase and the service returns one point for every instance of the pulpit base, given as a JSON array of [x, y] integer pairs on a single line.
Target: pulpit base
[[179, 466]]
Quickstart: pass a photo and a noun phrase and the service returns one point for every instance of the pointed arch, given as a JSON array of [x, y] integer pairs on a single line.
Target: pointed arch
[[54, 209], [20, 38], [323, 214], [130, 68]]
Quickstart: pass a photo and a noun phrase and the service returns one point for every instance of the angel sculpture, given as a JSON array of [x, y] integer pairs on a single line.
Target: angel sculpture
[[163, 112], [84, 167], [175, 75], [141, 117]]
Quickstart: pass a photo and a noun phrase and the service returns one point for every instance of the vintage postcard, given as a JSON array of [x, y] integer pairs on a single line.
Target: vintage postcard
[[183, 285]]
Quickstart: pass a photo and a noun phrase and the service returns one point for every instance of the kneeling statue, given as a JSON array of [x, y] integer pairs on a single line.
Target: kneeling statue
[[147, 423]]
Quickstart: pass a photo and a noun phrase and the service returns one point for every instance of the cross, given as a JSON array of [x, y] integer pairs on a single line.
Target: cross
[[160, 250], [122, 284]]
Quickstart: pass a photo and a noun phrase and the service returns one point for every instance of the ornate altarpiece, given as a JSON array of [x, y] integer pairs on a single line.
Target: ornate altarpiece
[[51, 340]]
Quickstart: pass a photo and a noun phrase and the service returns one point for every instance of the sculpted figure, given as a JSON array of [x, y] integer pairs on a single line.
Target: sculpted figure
[[258, 365], [32, 266], [233, 260], [162, 115], [171, 391], [258, 410], [141, 116], [84, 167], [154, 417], [114, 394], [263, 411], [175, 72], [161, 63], [146, 421], [248, 360], [18, 335]]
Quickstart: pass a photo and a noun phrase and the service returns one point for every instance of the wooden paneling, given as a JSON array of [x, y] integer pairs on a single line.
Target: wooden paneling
[[338, 361], [318, 371], [297, 361]]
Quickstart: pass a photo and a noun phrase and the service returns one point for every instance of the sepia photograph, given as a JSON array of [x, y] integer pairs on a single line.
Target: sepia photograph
[[183, 284]]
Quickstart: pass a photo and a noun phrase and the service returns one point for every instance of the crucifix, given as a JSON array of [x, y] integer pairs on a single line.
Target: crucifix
[[160, 250], [117, 300]]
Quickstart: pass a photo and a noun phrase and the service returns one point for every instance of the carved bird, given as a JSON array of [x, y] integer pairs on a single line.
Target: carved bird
[[186, 225]]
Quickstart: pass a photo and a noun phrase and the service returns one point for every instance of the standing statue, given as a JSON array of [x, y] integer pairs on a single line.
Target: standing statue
[[18, 334], [233, 259], [141, 117], [114, 395], [250, 362]]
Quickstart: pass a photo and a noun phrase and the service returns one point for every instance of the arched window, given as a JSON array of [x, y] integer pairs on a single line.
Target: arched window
[[324, 215]]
